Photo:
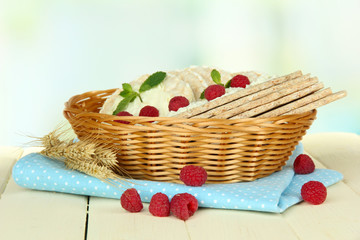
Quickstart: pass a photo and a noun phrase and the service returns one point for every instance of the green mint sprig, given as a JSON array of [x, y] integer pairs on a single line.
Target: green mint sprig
[[152, 81], [216, 77], [129, 95], [128, 91], [227, 85]]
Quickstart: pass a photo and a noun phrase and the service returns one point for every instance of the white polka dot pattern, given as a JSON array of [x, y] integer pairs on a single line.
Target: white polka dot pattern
[[274, 193]]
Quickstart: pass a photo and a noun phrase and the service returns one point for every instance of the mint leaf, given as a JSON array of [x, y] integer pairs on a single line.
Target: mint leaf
[[124, 93], [133, 97], [124, 103], [152, 81], [127, 90], [202, 96], [215, 75], [130, 95], [127, 87], [227, 85]]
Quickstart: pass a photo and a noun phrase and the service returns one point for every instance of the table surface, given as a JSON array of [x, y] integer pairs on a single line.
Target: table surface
[[30, 214]]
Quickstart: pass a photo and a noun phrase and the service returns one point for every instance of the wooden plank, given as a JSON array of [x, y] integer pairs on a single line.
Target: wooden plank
[[236, 224], [31, 150], [108, 220], [337, 218], [8, 157], [332, 220], [30, 214], [338, 151]]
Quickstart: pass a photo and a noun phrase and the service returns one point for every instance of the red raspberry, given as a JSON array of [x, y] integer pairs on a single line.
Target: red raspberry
[[130, 200], [193, 175], [239, 81], [149, 111], [303, 164], [178, 102], [123, 113], [183, 205], [214, 91], [159, 205], [314, 192]]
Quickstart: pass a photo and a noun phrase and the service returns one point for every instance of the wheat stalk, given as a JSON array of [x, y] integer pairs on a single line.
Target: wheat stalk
[[84, 156], [91, 169]]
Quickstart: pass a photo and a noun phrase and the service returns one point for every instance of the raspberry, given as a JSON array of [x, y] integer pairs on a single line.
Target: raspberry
[[130, 200], [314, 192], [193, 175], [214, 91], [159, 205], [123, 113], [239, 81], [178, 102], [303, 164], [149, 111], [183, 205]]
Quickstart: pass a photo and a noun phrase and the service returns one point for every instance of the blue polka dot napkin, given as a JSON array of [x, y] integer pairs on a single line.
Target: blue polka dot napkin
[[274, 193]]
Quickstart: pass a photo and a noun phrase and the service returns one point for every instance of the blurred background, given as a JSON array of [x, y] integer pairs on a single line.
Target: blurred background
[[52, 50]]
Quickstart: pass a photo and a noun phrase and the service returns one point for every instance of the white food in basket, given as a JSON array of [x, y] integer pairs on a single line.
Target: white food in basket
[[158, 96], [189, 82]]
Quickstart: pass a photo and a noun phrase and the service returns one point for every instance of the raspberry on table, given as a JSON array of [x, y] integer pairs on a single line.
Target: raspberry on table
[[130, 200], [192, 175], [178, 102], [159, 205], [314, 192], [183, 205], [239, 81], [303, 164], [123, 113], [214, 91], [149, 111]]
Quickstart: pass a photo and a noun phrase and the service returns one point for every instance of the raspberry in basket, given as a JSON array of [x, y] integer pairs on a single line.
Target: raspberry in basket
[[214, 91], [303, 164], [123, 113], [149, 111], [130, 200], [193, 175], [314, 192], [178, 102], [159, 205], [239, 81], [183, 205]]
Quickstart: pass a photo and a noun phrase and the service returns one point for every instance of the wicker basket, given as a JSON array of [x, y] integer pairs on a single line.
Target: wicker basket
[[157, 148]]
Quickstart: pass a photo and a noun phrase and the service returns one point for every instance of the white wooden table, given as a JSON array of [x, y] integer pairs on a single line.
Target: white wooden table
[[30, 214]]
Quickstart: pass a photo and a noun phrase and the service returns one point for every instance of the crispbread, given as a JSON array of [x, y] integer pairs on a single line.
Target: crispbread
[[192, 77], [297, 103], [319, 103], [287, 95], [231, 108], [268, 99], [236, 95]]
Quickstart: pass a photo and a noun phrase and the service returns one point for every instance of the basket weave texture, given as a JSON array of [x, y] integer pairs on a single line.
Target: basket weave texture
[[157, 148]]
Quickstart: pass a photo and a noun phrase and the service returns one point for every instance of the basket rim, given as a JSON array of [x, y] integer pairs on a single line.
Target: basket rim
[[79, 98]]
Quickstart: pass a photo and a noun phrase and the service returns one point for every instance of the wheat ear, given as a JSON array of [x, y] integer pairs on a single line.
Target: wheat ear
[[86, 157]]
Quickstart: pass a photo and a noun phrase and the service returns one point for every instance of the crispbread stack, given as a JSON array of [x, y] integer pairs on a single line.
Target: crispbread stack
[[289, 94]]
